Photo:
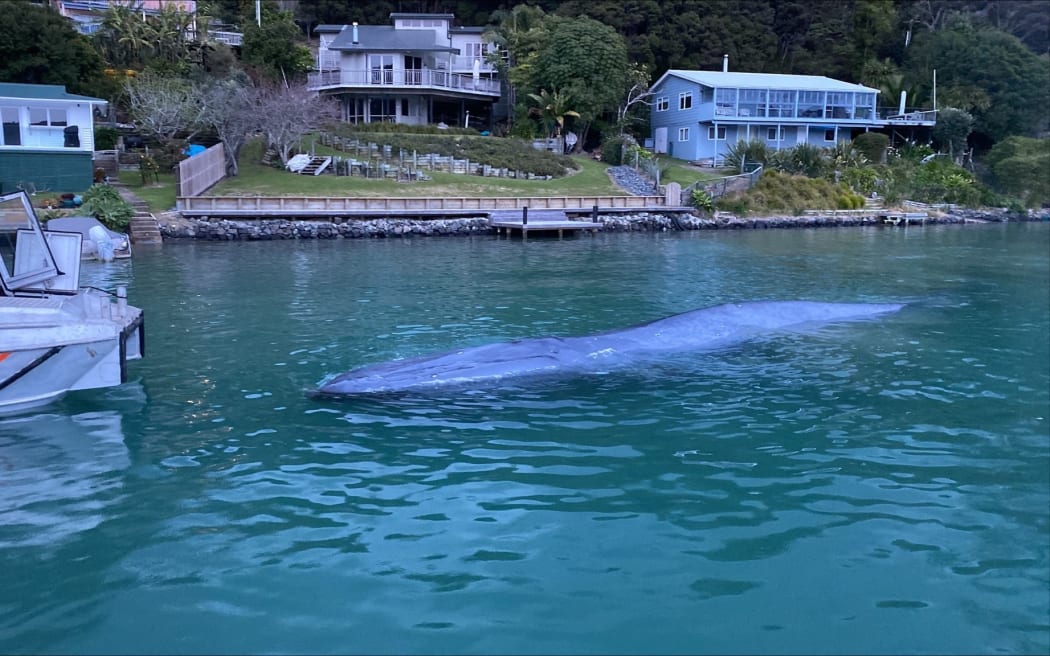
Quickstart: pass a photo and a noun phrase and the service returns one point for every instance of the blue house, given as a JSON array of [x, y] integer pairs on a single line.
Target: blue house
[[698, 115]]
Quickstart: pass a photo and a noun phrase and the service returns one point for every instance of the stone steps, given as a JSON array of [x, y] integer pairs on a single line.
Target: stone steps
[[144, 229]]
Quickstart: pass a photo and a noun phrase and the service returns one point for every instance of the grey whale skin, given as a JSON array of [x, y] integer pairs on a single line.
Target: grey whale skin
[[708, 328]]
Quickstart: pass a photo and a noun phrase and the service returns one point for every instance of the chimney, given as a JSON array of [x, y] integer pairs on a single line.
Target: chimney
[[725, 63], [355, 33]]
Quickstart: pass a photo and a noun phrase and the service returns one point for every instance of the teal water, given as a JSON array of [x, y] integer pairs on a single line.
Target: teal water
[[874, 487]]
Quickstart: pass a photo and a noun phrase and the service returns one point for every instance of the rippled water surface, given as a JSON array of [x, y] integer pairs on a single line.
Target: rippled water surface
[[867, 487]]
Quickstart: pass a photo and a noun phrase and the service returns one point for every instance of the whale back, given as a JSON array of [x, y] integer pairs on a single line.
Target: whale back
[[707, 328]]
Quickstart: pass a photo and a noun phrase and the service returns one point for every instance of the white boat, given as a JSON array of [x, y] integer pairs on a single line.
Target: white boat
[[99, 242], [55, 337]]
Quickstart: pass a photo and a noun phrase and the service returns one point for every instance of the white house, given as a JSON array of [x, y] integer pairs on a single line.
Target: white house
[[420, 69], [47, 138]]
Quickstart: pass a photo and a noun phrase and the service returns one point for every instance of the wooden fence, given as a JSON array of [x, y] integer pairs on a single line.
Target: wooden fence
[[259, 206], [199, 173]]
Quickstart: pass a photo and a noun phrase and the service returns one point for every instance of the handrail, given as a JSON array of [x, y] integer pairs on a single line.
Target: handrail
[[334, 205], [402, 78]]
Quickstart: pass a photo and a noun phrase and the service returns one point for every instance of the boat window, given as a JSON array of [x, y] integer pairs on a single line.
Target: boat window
[[25, 258]]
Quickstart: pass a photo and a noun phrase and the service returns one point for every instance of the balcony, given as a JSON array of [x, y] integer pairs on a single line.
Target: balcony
[[803, 114], [402, 80], [912, 118]]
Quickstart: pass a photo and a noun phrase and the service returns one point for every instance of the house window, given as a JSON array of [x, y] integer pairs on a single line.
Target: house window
[[716, 134], [685, 100], [382, 110], [382, 69], [355, 110], [40, 116], [775, 134], [810, 104], [662, 104], [683, 134], [12, 133], [829, 135], [725, 102], [752, 102], [476, 50]]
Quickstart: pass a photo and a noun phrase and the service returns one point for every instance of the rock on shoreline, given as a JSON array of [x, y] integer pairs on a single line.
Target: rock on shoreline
[[174, 226]]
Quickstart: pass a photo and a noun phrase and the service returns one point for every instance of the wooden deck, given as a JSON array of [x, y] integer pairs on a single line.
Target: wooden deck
[[549, 221]]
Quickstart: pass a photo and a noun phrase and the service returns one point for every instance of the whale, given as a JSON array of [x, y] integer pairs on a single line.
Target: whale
[[710, 328]]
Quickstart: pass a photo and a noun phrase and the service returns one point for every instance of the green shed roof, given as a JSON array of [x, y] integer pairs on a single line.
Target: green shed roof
[[42, 92]]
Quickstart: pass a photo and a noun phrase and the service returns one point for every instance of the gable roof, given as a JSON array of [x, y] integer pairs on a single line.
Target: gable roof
[[43, 92], [384, 37], [718, 79]]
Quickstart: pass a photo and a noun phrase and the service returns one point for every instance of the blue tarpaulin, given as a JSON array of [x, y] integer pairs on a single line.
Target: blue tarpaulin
[[193, 149]]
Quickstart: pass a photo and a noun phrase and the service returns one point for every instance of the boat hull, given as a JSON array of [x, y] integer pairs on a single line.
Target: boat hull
[[40, 363]]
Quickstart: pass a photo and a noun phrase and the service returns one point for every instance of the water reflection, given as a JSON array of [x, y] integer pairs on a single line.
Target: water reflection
[[58, 474]]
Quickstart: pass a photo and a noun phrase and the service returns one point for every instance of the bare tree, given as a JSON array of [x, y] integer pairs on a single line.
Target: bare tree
[[287, 111], [230, 109], [165, 106], [638, 93]]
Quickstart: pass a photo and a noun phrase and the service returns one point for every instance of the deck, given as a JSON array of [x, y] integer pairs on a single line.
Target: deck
[[525, 221]]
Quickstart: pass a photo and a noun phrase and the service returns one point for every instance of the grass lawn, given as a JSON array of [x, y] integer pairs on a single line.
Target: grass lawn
[[256, 179], [160, 196], [685, 174]]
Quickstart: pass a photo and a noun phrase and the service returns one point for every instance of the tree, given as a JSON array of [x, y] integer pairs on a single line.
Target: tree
[[637, 95], [952, 129], [164, 107], [289, 111], [988, 62], [124, 38], [274, 48], [229, 109], [39, 46], [552, 109], [1021, 168], [586, 60]]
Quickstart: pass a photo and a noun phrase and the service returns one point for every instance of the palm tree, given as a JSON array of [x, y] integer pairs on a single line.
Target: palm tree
[[552, 108]]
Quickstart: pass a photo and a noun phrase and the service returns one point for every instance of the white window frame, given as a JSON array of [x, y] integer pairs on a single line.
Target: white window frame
[[830, 132], [712, 135], [476, 50], [775, 133], [685, 100], [683, 134], [53, 117], [663, 103]]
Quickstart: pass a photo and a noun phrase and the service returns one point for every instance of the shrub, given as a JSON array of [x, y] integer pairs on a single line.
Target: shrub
[[872, 145], [702, 200], [613, 150], [106, 138], [512, 154], [745, 154], [861, 180], [104, 203]]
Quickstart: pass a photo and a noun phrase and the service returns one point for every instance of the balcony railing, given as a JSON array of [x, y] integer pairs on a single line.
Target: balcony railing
[[410, 79], [229, 38]]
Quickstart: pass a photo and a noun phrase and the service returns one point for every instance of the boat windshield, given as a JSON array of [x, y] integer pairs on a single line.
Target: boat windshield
[[25, 258]]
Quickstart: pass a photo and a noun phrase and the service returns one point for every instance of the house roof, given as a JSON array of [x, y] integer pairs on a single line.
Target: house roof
[[386, 38], [718, 79], [43, 92]]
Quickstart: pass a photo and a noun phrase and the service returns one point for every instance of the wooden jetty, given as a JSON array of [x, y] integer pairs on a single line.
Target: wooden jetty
[[540, 220]]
